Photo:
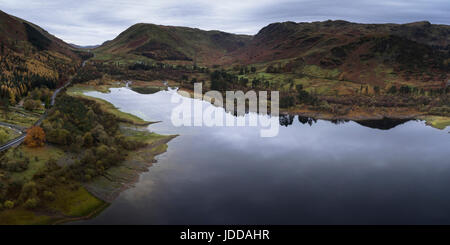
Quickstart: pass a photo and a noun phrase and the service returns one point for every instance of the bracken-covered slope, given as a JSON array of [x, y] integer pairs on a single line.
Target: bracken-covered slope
[[361, 52], [170, 43], [31, 57]]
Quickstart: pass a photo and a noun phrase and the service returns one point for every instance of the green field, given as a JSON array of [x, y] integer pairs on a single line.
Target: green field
[[38, 157], [7, 134], [69, 205], [19, 117]]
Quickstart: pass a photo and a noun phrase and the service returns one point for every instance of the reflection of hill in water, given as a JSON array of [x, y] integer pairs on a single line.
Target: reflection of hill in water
[[383, 124]]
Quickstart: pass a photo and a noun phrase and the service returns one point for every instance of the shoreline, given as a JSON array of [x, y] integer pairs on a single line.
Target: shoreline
[[127, 174], [378, 113], [137, 162], [91, 215], [93, 203], [145, 156], [394, 113]]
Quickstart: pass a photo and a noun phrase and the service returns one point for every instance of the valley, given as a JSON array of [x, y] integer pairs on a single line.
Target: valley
[[81, 126], [331, 69]]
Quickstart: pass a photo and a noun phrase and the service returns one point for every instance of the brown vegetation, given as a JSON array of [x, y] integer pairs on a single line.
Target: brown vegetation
[[35, 137]]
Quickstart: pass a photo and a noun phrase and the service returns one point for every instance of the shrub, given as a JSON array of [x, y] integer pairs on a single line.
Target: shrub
[[29, 190], [59, 136], [31, 203], [9, 204], [376, 89], [15, 162], [392, 90], [405, 89], [30, 104], [324, 106], [18, 165], [286, 101], [304, 97], [49, 195]]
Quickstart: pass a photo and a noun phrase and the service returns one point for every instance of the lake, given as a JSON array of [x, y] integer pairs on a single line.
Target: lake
[[313, 172]]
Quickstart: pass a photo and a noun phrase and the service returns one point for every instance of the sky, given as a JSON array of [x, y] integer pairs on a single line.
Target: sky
[[91, 22]]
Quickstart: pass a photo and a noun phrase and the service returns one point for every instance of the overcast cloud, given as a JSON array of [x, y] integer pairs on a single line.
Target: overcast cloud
[[93, 22]]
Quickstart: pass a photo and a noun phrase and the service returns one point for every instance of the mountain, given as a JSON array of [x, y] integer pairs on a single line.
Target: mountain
[[172, 43], [290, 39], [341, 50], [15, 30], [360, 52], [31, 57], [83, 47]]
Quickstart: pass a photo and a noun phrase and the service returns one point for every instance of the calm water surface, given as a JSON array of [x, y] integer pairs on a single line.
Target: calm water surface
[[315, 172]]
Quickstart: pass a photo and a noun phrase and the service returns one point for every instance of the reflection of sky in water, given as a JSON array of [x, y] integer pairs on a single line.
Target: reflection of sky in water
[[319, 174]]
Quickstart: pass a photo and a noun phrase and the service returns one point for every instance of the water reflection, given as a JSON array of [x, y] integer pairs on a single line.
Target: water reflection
[[323, 174], [286, 120], [307, 120], [383, 124]]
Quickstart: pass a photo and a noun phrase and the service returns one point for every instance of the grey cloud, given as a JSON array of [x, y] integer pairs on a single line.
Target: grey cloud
[[381, 11], [92, 22]]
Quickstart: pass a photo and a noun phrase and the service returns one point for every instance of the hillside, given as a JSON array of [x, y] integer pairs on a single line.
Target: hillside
[[336, 68], [376, 54], [31, 57], [170, 43], [366, 53]]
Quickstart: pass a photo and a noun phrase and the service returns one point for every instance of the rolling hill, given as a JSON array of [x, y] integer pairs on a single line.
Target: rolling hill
[[338, 50], [169, 43], [370, 53]]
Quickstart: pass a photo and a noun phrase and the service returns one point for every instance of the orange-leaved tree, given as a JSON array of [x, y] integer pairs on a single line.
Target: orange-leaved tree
[[35, 137]]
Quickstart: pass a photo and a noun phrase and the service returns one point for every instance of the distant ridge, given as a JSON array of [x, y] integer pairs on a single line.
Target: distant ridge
[[84, 47], [418, 50]]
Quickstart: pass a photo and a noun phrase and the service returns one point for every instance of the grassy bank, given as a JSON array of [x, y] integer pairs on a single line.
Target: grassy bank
[[7, 134], [437, 121], [19, 117], [78, 90], [69, 205]]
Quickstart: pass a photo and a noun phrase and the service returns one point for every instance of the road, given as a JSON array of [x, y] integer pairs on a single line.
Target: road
[[52, 103], [16, 141], [20, 139]]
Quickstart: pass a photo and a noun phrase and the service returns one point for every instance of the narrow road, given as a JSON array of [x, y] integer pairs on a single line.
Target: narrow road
[[52, 103], [13, 142], [20, 139]]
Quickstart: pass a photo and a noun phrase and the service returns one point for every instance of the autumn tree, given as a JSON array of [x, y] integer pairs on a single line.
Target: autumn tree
[[35, 137]]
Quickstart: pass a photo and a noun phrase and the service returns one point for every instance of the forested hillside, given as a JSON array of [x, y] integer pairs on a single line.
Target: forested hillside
[[29, 58]]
